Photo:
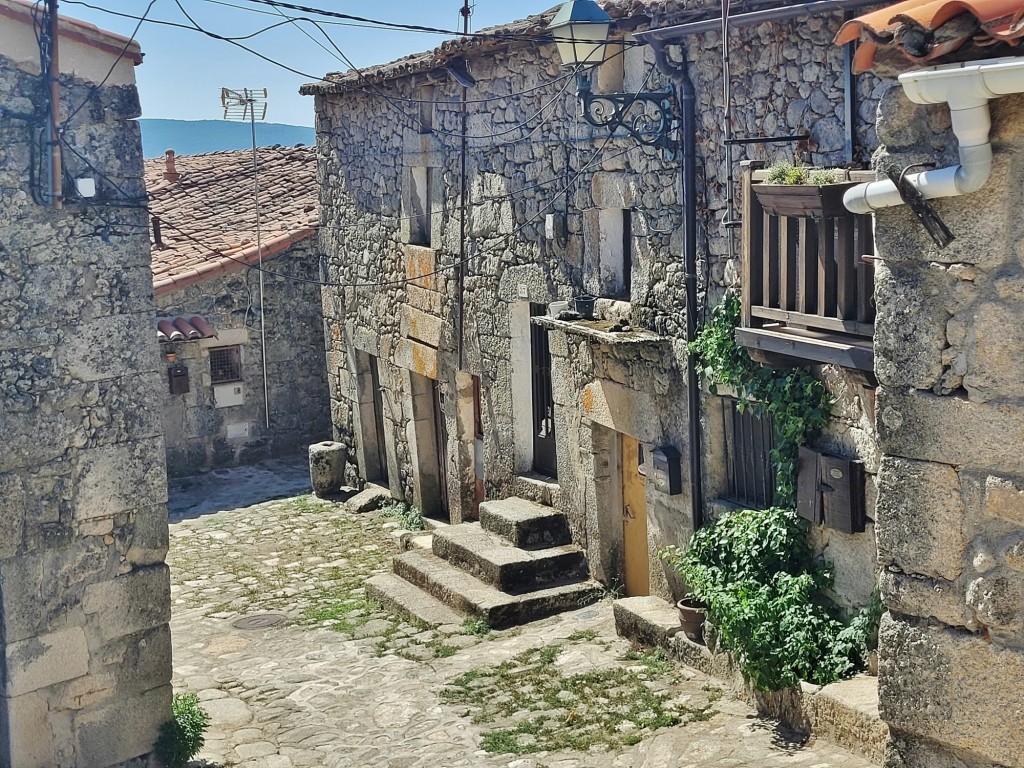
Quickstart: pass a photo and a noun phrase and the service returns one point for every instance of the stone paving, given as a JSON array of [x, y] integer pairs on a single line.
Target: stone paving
[[341, 683]]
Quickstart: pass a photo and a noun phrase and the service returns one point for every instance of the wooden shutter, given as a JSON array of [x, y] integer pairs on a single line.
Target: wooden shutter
[[830, 490]]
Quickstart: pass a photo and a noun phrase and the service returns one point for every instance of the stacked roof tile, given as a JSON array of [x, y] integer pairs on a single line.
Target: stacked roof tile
[[935, 31], [207, 215]]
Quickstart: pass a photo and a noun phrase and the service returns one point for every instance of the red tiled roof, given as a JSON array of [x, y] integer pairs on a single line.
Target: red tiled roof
[[207, 215], [180, 329], [931, 31], [74, 29]]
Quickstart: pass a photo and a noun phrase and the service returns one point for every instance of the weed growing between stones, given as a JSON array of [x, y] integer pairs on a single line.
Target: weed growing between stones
[[477, 627], [410, 518], [181, 737], [534, 706]]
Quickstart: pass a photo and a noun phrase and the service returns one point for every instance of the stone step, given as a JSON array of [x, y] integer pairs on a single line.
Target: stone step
[[524, 523], [494, 561], [399, 595], [467, 594], [844, 713]]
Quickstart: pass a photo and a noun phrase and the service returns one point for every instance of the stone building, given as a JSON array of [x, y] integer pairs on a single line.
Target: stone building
[[84, 592], [453, 379], [950, 332], [235, 394]]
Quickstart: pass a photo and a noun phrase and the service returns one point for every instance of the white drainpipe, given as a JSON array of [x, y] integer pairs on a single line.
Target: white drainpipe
[[967, 89]]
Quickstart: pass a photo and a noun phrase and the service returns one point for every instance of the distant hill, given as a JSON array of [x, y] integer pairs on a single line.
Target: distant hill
[[191, 137]]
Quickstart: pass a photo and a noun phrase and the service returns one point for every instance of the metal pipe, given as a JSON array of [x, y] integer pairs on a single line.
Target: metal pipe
[[259, 255], [56, 171], [460, 286], [688, 179], [666, 34]]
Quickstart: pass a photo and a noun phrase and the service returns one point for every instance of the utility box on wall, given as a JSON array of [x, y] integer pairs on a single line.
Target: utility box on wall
[[226, 395], [668, 472], [177, 379], [830, 490]]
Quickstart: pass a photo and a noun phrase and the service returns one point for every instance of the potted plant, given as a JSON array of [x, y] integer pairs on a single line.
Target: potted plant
[[794, 190], [692, 612]]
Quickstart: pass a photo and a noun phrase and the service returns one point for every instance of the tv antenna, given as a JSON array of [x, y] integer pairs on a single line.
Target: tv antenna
[[250, 104]]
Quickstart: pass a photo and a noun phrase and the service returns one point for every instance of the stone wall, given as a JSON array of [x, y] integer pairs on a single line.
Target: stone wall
[[548, 197], [951, 423], [199, 435], [84, 592]]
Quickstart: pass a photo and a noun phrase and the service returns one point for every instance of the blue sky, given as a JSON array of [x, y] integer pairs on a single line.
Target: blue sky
[[183, 70]]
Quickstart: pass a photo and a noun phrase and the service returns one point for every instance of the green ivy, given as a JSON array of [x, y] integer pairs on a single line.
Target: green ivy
[[755, 570], [766, 595], [798, 403]]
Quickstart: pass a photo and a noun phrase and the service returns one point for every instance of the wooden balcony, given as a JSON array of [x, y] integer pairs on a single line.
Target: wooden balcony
[[807, 290]]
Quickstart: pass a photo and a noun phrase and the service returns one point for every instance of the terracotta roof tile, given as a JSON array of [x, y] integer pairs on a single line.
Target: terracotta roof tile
[[207, 216], [180, 329], [935, 31]]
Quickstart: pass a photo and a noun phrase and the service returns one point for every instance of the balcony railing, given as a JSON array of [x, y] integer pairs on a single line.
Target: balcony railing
[[807, 288]]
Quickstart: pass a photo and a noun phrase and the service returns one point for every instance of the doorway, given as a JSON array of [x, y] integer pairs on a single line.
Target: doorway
[[634, 518], [545, 459], [429, 447]]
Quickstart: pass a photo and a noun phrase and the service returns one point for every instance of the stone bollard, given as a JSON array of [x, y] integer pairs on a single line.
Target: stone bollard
[[326, 467]]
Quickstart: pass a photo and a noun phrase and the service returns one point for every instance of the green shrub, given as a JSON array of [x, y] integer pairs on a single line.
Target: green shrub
[[181, 737], [409, 517], [766, 595]]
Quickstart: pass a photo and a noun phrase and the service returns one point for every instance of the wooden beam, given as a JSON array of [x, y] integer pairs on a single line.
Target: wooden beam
[[815, 348]]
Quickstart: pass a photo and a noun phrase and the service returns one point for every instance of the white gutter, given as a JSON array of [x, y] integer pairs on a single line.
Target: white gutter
[[967, 88]]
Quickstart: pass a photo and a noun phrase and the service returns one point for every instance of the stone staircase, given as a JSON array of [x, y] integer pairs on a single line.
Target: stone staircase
[[516, 565]]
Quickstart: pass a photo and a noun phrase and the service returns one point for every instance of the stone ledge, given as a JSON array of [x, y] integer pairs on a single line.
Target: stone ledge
[[844, 713], [599, 331]]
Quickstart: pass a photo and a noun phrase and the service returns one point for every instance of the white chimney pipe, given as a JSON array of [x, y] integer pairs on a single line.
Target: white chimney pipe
[[967, 89]]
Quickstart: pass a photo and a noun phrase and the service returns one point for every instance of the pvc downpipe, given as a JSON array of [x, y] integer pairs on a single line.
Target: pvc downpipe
[[967, 88]]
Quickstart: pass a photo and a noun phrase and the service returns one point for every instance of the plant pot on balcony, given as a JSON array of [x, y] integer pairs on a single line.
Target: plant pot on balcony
[[808, 201], [584, 306], [691, 618]]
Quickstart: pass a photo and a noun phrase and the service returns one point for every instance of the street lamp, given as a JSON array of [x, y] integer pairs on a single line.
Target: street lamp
[[580, 30]]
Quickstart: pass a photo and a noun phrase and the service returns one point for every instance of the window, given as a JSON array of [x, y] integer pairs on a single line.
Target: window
[[616, 251], [425, 96], [749, 440], [420, 203], [225, 364]]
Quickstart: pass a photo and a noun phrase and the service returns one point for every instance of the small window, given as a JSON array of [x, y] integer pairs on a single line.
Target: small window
[[425, 103], [225, 364], [749, 440], [420, 204]]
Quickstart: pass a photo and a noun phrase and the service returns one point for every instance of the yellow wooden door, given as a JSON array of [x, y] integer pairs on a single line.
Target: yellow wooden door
[[634, 520]]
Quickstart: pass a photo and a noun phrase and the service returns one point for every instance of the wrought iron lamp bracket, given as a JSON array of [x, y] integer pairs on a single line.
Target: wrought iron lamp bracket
[[650, 125]]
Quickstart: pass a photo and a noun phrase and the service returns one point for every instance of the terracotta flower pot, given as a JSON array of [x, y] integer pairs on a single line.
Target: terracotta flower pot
[[691, 618]]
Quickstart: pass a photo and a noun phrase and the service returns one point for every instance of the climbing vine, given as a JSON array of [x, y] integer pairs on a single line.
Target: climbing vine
[[797, 402], [765, 591]]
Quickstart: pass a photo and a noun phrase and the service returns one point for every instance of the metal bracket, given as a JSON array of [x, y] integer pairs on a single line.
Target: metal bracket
[[929, 219], [650, 125]]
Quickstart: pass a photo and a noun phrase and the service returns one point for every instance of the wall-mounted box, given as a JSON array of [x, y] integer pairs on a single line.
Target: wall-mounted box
[[830, 490], [237, 431], [668, 471], [227, 395], [177, 379]]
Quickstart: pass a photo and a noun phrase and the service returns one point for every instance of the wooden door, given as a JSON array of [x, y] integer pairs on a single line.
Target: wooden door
[[634, 518], [441, 447]]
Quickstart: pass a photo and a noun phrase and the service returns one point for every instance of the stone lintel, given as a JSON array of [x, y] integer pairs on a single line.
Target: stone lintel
[[416, 357], [421, 326]]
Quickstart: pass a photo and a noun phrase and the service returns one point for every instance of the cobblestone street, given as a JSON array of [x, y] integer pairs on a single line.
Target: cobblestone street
[[338, 682]]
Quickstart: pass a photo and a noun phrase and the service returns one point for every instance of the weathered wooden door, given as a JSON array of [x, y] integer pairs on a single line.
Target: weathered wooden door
[[378, 423], [634, 518], [441, 445], [545, 460]]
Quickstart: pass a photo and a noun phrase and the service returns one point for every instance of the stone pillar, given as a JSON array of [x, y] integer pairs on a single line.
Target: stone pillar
[[950, 513], [84, 592]]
